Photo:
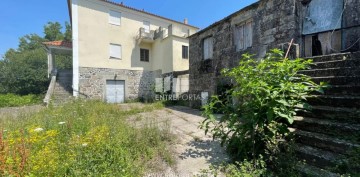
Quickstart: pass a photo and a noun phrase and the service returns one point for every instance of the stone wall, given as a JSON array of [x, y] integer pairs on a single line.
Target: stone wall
[[274, 22], [351, 25], [138, 84]]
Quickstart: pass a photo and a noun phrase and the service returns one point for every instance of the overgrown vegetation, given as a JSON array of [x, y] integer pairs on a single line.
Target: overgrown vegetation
[[24, 70], [255, 117], [11, 100], [81, 139]]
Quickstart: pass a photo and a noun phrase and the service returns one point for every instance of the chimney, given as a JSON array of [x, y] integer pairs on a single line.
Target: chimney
[[185, 21]]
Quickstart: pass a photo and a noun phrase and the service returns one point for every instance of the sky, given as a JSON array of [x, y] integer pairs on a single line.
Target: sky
[[21, 17]]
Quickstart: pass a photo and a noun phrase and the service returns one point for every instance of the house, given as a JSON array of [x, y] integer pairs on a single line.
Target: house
[[119, 51], [328, 31], [318, 27]]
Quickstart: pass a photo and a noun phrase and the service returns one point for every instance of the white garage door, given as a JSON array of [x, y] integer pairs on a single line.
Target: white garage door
[[115, 91]]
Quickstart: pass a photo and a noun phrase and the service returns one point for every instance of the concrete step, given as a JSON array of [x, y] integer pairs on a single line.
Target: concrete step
[[65, 72], [350, 90], [317, 157], [332, 57], [64, 80], [344, 131], [336, 64], [312, 171], [324, 142], [339, 114], [338, 80], [335, 101], [60, 88], [346, 71]]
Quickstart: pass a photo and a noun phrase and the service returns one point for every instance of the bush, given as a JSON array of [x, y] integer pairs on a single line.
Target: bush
[[254, 168], [263, 101], [81, 139], [12, 100]]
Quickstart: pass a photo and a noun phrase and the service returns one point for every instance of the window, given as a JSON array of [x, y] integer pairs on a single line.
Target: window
[[115, 51], [144, 55], [243, 35], [208, 48], [146, 26], [185, 52], [114, 18]]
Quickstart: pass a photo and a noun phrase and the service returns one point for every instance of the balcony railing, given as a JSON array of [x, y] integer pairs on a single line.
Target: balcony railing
[[146, 35]]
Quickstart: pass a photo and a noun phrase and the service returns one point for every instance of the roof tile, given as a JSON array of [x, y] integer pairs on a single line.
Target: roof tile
[[66, 44]]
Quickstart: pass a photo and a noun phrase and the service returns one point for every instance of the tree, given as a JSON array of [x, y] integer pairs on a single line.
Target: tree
[[24, 71], [53, 31], [30, 42], [68, 32]]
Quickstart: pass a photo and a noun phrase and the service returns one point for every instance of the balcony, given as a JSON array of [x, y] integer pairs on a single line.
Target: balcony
[[145, 36]]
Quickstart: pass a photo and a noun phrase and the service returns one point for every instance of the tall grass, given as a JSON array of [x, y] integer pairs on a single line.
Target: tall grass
[[81, 139], [12, 100]]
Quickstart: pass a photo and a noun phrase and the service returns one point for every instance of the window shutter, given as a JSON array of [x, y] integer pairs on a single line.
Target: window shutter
[[114, 18], [248, 34], [208, 48], [115, 51], [211, 47], [241, 37]]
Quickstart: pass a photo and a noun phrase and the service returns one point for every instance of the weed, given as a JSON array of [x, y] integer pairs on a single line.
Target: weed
[[82, 138]]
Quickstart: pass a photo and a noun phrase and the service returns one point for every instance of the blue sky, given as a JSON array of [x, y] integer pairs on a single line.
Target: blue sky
[[21, 17]]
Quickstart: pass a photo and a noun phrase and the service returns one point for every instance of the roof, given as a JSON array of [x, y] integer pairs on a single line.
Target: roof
[[65, 44], [253, 5], [137, 10]]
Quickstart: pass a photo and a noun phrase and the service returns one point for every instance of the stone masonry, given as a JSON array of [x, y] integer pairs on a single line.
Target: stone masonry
[[138, 84], [274, 23]]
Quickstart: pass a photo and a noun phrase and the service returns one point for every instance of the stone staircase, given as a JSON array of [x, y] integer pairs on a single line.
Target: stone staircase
[[327, 134], [63, 88]]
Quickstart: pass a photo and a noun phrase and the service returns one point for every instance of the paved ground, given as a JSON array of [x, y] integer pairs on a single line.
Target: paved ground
[[193, 150]]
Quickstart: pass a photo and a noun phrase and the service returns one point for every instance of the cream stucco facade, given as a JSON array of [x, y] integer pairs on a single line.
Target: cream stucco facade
[[93, 34]]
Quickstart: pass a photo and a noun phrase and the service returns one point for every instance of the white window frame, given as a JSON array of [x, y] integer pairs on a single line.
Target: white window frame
[[243, 35], [208, 47], [113, 54], [115, 17], [147, 26]]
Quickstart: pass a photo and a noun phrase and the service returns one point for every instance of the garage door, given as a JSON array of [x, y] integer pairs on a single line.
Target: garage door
[[115, 91]]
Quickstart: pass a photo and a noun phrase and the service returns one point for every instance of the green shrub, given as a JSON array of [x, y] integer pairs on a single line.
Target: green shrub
[[246, 168], [12, 100], [83, 138], [263, 101]]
